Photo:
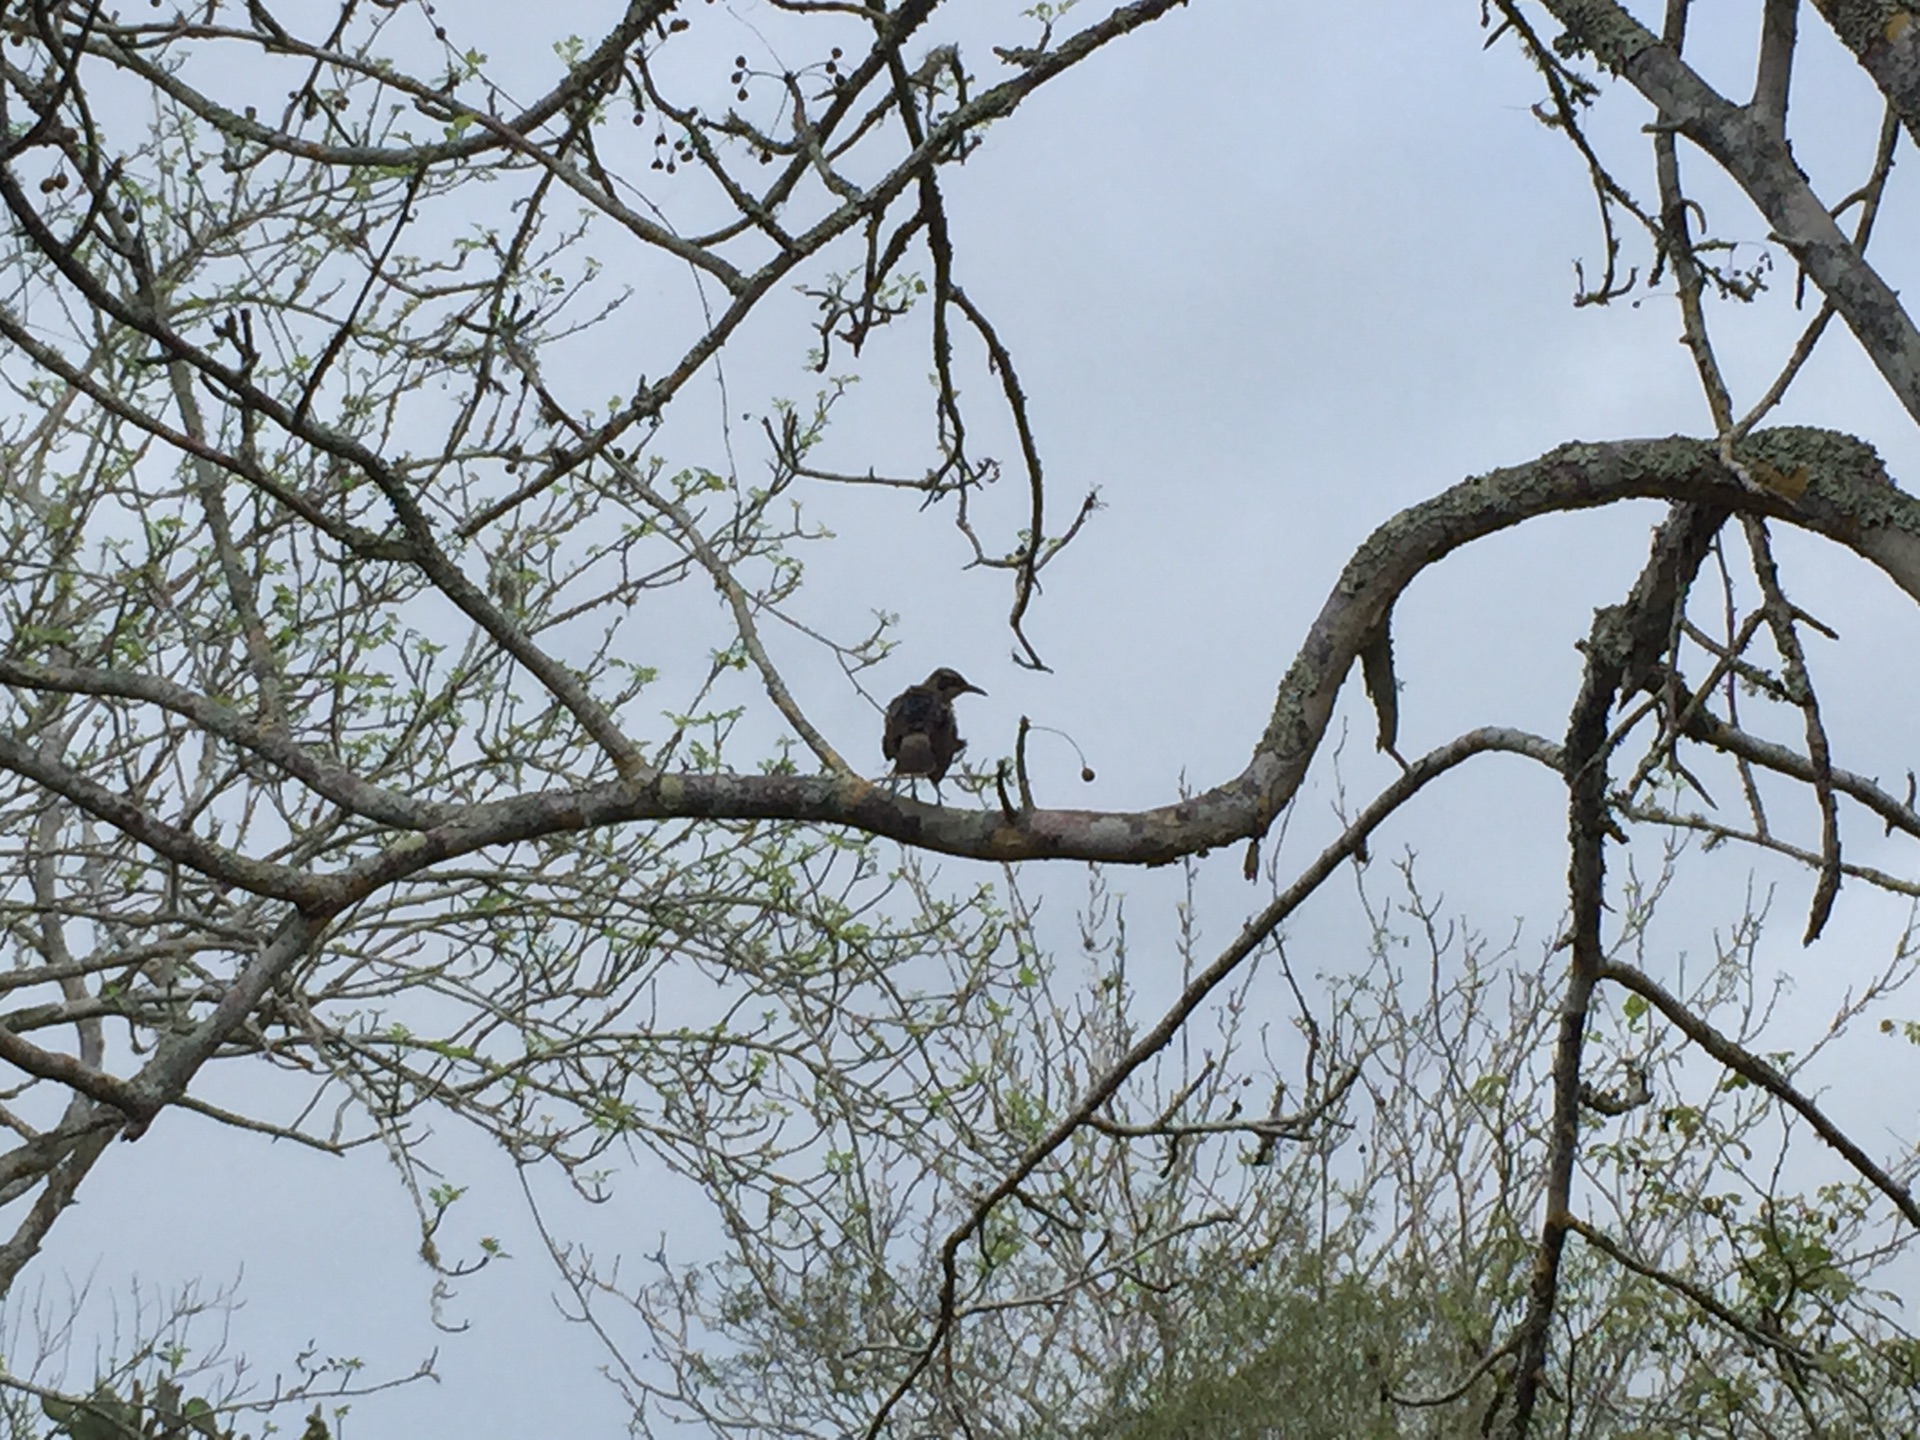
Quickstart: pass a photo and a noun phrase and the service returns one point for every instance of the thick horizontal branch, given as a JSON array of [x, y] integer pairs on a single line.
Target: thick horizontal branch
[[1847, 498]]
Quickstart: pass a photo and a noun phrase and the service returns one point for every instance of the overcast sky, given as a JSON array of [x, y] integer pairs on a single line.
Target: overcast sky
[[1270, 271]]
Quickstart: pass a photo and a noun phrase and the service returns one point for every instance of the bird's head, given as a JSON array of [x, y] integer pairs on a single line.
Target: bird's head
[[948, 683]]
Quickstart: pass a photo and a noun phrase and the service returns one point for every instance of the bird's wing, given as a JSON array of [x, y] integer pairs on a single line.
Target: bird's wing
[[896, 726], [943, 742]]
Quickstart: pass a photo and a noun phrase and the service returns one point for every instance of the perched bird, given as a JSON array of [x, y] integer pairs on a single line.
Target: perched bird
[[921, 737]]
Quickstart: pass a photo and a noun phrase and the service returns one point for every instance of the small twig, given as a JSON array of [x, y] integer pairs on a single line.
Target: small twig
[[1020, 764], [1868, 198], [1743, 1062], [1781, 619]]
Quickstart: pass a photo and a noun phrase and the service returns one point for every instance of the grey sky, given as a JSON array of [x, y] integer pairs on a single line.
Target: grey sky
[[1270, 272]]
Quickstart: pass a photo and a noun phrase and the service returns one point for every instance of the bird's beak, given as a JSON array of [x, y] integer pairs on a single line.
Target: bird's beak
[[973, 690]]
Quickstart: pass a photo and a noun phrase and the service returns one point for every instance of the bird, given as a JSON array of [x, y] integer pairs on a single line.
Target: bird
[[921, 737]]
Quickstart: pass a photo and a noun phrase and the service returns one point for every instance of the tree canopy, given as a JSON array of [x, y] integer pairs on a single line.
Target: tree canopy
[[428, 705]]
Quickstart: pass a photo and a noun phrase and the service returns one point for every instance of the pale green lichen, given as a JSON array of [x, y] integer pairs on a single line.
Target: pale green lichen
[[1862, 23]]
